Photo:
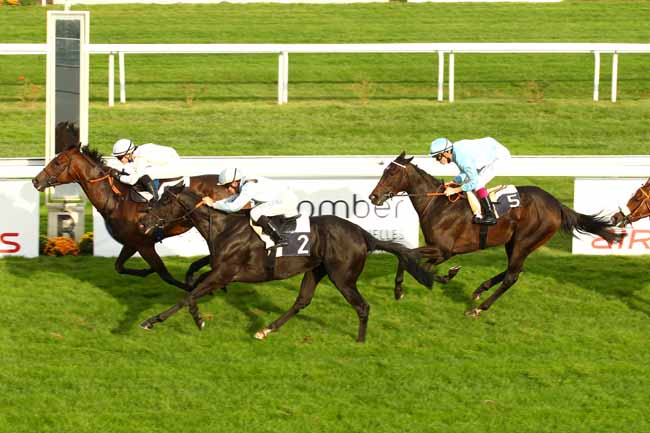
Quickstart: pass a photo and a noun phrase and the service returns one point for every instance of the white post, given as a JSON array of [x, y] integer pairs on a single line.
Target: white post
[[111, 80], [596, 73], [614, 75], [122, 72], [280, 79], [285, 84], [451, 76], [441, 75]]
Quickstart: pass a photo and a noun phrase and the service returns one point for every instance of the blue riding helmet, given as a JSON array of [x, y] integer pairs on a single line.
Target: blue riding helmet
[[439, 145]]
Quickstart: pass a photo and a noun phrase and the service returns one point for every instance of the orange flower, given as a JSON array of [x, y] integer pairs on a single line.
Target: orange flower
[[60, 246], [21, 78]]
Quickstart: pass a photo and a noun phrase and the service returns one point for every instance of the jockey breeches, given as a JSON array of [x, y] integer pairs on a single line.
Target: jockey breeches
[[285, 204]]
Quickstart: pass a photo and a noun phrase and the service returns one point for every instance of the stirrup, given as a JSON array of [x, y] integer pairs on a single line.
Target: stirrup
[[485, 220]]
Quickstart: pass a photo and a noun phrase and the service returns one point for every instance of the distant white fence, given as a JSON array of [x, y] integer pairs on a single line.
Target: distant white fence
[[283, 51]]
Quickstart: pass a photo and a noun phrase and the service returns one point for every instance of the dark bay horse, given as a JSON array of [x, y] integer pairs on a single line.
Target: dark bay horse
[[638, 206], [448, 229], [86, 167], [338, 249]]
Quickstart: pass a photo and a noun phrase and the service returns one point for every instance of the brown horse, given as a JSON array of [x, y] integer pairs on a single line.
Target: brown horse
[[638, 207], [338, 249], [86, 167], [448, 229]]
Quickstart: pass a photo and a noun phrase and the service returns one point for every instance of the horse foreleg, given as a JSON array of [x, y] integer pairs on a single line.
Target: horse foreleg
[[486, 285], [195, 266], [307, 288], [150, 255], [190, 300], [399, 279], [125, 254]]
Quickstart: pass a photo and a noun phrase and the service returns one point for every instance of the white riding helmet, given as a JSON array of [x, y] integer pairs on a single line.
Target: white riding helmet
[[230, 174], [122, 147], [439, 145]]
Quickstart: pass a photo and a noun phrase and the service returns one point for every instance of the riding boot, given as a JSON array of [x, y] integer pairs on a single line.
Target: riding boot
[[149, 185], [487, 210], [272, 230]]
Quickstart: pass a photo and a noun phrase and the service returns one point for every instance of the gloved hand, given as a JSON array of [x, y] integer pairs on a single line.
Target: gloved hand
[[113, 172]]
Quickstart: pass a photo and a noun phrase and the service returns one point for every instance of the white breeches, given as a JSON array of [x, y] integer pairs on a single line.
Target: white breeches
[[286, 204], [163, 171], [487, 173]]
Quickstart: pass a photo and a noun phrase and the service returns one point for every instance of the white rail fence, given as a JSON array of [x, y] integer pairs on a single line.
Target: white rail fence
[[283, 51], [371, 167]]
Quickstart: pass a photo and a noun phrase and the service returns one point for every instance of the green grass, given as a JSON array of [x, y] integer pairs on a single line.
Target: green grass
[[565, 350]]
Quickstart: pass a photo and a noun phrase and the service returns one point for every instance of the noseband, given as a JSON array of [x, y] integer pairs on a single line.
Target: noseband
[[645, 201], [52, 180]]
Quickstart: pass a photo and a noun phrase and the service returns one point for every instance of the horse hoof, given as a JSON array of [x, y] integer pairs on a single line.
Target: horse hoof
[[476, 297], [261, 335], [200, 324], [474, 312], [146, 325]]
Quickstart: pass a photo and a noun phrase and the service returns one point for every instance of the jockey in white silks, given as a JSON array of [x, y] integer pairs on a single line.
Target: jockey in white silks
[[477, 161], [146, 163], [267, 198]]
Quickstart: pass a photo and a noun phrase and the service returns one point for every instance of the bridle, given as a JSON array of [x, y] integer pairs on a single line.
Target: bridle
[[52, 179], [457, 196], [161, 223], [645, 201]]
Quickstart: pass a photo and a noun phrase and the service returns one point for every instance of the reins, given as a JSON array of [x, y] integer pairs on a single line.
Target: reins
[[110, 182]]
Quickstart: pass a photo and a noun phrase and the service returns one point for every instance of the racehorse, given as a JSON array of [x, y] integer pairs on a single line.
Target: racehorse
[[86, 167], [638, 207], [338, 249], [448, 229]]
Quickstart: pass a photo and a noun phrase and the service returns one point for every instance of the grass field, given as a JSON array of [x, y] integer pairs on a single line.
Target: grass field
[[565, 350]]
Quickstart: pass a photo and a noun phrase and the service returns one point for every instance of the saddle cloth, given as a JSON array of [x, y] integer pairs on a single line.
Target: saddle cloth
[[139, 196], [297, 232], [504, 197]]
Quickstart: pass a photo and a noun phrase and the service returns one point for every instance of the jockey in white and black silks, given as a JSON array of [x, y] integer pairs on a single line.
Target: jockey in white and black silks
[[146, 163], [267, 197], [477, 161]]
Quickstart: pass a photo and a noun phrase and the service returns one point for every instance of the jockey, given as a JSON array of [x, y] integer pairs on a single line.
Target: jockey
[[267, 199], [146, 163], [476, 160]]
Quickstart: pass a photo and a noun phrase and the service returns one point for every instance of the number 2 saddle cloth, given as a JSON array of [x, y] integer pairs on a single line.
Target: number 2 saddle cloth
[[296, 230], [503, 198]]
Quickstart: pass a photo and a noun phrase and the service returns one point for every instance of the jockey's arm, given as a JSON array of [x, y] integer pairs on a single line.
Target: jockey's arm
[[470, 181], [233, 203], [129, 175]]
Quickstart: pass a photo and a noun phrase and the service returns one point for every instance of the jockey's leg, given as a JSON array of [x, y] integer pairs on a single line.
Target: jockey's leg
[[148, 183], [488, 217], [475, 205]]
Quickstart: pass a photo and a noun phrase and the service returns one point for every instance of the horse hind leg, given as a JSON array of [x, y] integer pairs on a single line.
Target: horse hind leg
[[309, 282], [345, 281], [153, 259], [489, 283], [125, 254]]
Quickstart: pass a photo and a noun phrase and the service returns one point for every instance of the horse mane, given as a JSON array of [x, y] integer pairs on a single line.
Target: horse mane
[[94, 155], [402, 159]]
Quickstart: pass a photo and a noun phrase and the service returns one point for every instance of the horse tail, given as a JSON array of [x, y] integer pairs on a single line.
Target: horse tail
[[408, 258], [594, 224]]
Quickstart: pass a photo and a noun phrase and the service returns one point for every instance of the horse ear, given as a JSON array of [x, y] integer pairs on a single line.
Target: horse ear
[[402, 155], [409, 159]]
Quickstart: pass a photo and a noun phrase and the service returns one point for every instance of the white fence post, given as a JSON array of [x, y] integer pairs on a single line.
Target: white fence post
[[451, 76], [111, 80], [285, 84], [441, 75], [596, 73], [122, 72], [614, 75], [280, 79]]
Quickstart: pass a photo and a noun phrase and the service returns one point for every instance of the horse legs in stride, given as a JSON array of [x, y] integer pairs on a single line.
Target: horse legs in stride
[[153, 259], [435, 258], [346, 282], [489, 283], [125, 254], [195, 266], [307, 288], [213, 280]]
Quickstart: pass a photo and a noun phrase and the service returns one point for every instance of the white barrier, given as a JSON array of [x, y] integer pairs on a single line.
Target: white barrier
[[283, 51], [343, 183], [19, 218]]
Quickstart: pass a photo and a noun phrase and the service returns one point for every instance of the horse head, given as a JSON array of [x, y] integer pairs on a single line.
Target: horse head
[[393, 181], [638, 206], [59, 170], [172, 206], [65, 134]]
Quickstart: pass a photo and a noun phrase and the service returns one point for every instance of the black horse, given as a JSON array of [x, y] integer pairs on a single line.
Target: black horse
[[338, 249], [448, 229]]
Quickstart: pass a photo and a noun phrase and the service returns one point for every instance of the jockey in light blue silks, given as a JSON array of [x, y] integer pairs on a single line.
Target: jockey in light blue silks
[[267, 199], [477, 161]]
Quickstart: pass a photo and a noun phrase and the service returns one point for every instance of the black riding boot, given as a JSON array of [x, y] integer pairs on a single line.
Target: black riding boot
[[148, 184], [270, 229], [487, 210]]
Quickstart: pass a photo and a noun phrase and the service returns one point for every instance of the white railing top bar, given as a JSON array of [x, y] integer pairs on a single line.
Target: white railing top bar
[[458, 47]]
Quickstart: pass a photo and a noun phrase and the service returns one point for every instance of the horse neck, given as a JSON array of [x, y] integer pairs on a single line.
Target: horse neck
[[420, 182], [99, 193]]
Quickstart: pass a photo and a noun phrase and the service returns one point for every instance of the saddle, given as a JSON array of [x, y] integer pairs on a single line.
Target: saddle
[[285, 224], [139, 193]]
